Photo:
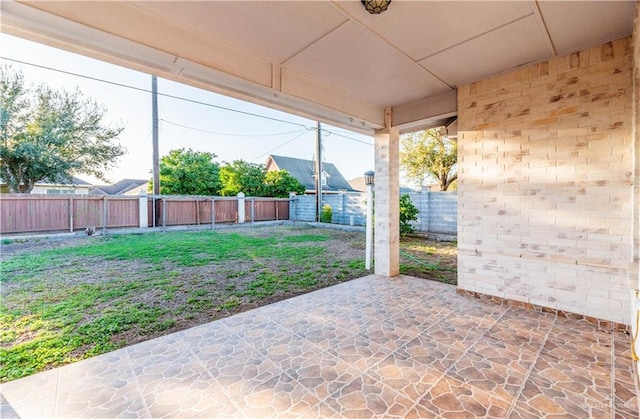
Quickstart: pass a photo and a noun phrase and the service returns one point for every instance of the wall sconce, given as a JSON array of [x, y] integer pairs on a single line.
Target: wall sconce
[[375, 7]]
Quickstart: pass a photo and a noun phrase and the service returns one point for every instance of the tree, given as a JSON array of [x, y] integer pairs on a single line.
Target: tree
[[428, 155], [408, 213], [241, 176], [188, 172], [279, 183], [51, 134]]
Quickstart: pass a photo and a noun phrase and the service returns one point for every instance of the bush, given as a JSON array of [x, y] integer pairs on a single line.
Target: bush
[[408, 213], [327, 214]]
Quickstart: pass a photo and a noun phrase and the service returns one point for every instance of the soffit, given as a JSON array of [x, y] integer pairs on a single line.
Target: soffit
[[310, 56]]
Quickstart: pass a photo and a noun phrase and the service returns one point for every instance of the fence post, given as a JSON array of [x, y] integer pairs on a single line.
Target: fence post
[[71, 213], [213, 213], [143, 210], [276, 202], [164, 213], [253, 210], [241, 216], [292, 206], [197, 211], [104, 215]]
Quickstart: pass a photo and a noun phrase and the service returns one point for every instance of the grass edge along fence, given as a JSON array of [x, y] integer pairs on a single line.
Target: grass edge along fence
[[68, 213]]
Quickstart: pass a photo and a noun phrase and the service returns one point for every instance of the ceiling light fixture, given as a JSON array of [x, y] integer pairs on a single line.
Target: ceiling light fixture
[[375, 7]]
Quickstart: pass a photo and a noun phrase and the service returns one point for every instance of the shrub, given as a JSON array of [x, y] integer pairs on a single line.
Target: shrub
[[327, 214], [408, 213]]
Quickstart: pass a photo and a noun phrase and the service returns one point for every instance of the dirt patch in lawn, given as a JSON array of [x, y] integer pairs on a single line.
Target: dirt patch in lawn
[[434, 260]]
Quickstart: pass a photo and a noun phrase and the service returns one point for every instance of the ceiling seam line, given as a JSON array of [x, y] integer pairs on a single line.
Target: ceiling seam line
[[544, 28], [367, 30], [287, 60], [475, 37]]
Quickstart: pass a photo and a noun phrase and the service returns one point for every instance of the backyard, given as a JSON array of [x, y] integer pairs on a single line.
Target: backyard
[[68, 299]]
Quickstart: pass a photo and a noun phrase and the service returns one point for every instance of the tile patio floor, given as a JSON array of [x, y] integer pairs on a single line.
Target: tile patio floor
[[403, 347]]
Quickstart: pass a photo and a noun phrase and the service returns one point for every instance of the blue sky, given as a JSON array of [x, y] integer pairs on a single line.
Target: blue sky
[[230, 135]]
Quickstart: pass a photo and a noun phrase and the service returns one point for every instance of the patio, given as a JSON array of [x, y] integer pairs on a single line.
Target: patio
[[401, 347]]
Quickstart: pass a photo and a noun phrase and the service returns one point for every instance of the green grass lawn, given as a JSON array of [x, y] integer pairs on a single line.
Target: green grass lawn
[[64, 304], [65, 301]]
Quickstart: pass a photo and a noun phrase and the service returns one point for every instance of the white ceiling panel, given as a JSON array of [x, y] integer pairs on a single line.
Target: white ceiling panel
[[423, 28], [326, 53], [504, 49], [359, 64], [275, 30], [576, 25]]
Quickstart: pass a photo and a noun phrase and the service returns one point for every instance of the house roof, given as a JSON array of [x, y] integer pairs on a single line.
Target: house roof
[[119, 188], [75, 181], [304, 171]]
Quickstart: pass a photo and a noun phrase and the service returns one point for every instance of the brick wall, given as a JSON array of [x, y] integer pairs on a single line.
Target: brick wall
[[635, 266], [545, 183]]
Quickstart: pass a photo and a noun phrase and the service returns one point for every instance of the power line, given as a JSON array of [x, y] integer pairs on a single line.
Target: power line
[[140, 89], [348, 138], [281, 145], [229, 134]]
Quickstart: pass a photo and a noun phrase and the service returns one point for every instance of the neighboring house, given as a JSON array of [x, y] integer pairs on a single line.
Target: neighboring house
[[304, 171], [77, 186], [123, 187]]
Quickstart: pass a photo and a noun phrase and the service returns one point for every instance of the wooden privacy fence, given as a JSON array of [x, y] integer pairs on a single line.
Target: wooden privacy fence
[[266, 209], [44, 213], [40, 213]]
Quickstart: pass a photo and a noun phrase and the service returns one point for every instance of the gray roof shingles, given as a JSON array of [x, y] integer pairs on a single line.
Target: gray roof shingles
[[118, 188], [304, 171]]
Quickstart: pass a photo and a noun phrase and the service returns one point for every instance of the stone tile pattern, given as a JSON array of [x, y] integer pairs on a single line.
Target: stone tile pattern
[[602, 324], [371, 347], [545, 176]]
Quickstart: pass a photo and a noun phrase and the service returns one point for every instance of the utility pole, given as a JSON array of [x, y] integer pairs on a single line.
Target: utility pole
[[318, 172], [156, 152]]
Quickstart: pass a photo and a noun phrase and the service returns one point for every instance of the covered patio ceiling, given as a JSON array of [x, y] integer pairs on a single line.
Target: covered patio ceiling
[[326, 60]]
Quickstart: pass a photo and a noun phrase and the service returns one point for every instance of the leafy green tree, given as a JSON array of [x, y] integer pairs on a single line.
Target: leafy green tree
[[51, 134], [241, 176], [279, 183], [408, 213], [428, 155], [188, 172]]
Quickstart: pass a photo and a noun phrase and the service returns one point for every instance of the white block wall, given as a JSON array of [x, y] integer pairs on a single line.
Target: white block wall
[[545, 183]]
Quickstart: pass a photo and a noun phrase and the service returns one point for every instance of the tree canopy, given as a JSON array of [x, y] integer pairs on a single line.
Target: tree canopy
[[427, 155], [241, 176], [279, 183], [189, 172], [51, 134]]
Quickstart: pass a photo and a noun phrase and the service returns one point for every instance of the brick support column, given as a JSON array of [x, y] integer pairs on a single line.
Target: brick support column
[[634, 269], [387, 200]]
